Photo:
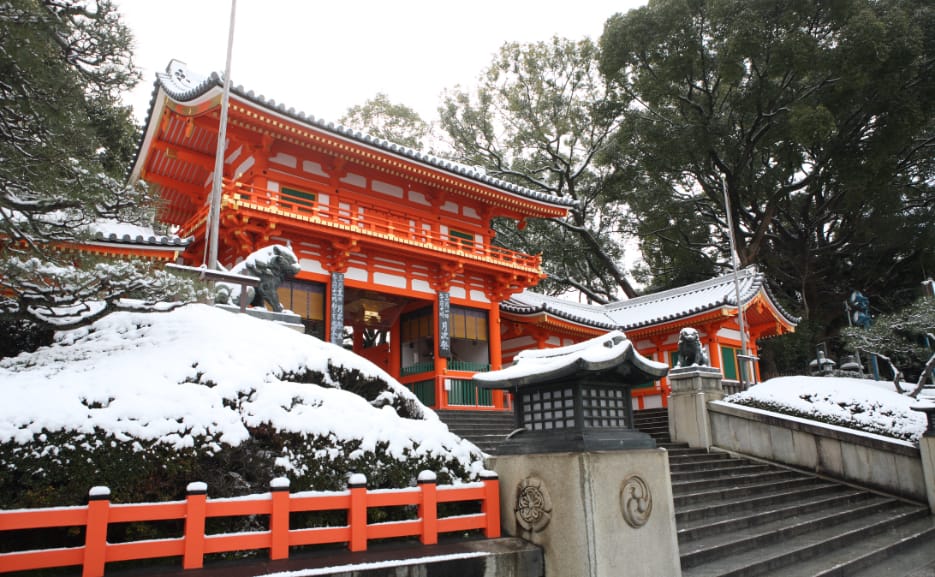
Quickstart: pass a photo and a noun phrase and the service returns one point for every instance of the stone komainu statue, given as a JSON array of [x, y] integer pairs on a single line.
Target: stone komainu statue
[[690, 351], [272, 265]]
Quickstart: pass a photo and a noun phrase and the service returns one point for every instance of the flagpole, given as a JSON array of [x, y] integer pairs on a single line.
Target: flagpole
[[214, 214], [734, 257]]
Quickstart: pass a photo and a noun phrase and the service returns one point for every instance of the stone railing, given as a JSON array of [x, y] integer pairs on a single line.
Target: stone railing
[[873, 461]]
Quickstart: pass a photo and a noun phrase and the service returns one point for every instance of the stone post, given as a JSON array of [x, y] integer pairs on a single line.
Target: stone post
[[927, 448], [692, 388]]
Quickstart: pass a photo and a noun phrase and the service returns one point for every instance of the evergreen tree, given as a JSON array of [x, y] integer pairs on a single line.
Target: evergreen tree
[[65, 143], [396, 123], [904, 339], [538, 119], [815, 118]]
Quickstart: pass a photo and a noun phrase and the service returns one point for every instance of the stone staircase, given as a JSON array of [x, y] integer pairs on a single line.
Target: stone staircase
[[486, 429], [655, 422], [738, 517]]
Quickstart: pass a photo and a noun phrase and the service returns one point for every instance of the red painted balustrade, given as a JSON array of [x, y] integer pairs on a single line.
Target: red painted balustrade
[[277, 505]]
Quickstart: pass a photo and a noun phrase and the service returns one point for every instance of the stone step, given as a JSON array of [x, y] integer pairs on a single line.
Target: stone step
[[753, 503], [660, 421], [731, 482], [703, 472], [908, 551], [717, 546], [717, 495], [721, 464], [691, 456], [775, 552], [796, 503]]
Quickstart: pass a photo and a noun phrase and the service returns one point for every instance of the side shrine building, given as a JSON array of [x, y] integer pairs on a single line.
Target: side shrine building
[[396, 246]]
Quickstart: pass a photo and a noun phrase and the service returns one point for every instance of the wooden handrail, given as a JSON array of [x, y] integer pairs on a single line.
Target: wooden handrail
[[373, 221], [196, 509]]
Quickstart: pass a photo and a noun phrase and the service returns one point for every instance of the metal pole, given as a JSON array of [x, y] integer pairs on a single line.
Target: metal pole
[[214, 214], [734, 262]]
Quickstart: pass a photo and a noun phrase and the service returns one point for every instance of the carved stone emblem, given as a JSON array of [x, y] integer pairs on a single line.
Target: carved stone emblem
[[533, 504], [636, 501]]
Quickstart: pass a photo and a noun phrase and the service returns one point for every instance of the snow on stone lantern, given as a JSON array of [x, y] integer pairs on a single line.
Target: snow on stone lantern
[[575, 398]]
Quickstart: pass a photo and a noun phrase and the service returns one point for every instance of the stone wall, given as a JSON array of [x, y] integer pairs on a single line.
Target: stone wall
[[864, 459]]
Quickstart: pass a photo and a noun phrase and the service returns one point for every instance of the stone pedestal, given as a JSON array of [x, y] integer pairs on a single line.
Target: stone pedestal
[[692, 388], [927, 448], [595, 514], [287, 318]]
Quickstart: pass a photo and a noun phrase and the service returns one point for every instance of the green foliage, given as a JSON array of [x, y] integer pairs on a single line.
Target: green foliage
[[815, 118], [65, 142], [538, 118], [903, 336], [23, 335], [393, 122]]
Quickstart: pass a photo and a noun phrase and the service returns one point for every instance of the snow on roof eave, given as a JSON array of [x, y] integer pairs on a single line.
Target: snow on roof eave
[[745, 274], [574, 361], [753, 284], [529, 311], [214, 82]]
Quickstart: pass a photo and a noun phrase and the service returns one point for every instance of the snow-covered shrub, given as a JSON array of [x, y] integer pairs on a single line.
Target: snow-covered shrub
[[145, 403], [859, 404]]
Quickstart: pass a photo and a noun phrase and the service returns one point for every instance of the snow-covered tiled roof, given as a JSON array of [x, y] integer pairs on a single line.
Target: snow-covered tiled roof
[[610, 352], [155, 241], [183, 84], [653, 308], [107, 231], [529, 303]]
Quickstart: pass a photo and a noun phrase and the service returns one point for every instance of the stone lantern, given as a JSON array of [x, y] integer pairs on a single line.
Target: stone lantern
[[576, 478], [575, 398]]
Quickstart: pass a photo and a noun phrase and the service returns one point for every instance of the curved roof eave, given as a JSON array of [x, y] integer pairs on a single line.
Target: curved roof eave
[[559, 363], [752, 281], [179, 87]]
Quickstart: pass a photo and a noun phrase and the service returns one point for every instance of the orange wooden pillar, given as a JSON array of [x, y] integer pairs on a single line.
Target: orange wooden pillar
[[428, 508], [195, 511], [95, 537], [490, 507], [279, 519], [357, 513], [496, 350], [395, 366]]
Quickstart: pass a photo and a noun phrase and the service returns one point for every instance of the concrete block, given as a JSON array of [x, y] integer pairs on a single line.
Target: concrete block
[[856, 462], [781, 443], [805, 448], [830, 460]]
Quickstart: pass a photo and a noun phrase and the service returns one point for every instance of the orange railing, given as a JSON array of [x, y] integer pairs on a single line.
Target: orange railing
[[370, 220], [277, 505]]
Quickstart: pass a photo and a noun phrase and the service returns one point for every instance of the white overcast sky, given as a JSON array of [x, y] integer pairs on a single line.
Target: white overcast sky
[[323, 57]]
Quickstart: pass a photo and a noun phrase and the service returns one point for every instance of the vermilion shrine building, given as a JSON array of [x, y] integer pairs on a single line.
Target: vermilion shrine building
[[396, 245]]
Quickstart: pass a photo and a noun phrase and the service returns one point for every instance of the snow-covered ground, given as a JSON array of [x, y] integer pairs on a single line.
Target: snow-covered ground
[[203, 373], [871, 406]]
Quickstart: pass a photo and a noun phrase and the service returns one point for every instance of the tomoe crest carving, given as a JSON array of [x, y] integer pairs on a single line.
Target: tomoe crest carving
[[636, 501]]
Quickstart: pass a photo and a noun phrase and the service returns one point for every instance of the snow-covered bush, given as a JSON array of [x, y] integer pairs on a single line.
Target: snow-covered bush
[[147, 402], [858, 404]]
